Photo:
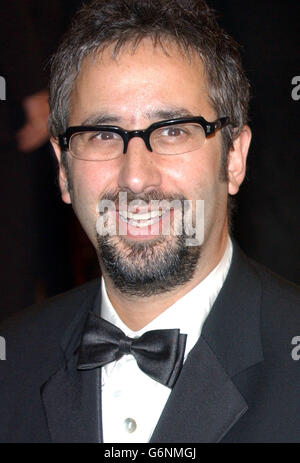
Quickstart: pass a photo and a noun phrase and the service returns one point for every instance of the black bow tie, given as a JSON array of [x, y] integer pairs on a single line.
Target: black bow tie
[[158, 353]]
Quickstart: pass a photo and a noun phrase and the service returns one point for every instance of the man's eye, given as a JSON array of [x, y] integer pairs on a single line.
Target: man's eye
[[173, 131], [104, 136]]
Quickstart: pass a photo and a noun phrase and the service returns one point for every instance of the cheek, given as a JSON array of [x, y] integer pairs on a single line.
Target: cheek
[[90, 181], [196, 175]]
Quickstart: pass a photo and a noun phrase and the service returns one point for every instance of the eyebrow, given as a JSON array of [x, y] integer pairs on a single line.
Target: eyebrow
[[171, 113], [155, 115], [100, 119]]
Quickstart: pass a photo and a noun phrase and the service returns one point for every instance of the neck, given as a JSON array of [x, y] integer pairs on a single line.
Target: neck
[[136, 312]]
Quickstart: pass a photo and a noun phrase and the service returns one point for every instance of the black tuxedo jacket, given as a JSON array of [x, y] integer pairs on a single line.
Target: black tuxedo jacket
[[240, 383]]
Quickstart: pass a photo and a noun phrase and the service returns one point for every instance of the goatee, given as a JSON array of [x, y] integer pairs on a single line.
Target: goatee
[[149, 267]]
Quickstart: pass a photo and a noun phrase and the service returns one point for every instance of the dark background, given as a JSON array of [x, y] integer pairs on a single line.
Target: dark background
[[267, 223], [43, 250]]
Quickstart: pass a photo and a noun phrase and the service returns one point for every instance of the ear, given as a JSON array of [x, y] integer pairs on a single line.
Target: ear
[[63, 180], [237, 158]]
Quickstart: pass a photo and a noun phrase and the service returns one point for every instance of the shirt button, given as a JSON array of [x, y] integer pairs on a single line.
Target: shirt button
[[130, 425]]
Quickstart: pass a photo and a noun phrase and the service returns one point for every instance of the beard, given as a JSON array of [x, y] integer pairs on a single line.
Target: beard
[[150, 267]]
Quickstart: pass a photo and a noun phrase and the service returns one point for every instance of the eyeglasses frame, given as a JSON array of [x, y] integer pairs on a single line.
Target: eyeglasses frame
[[126, 135]]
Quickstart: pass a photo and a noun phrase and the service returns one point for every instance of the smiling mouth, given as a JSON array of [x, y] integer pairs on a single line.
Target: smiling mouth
[[141, 220]]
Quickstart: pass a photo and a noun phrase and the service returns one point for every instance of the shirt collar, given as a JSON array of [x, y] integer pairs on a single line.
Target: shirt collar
[[188, 313]]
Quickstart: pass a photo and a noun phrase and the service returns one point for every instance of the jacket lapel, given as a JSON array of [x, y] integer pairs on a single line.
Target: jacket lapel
[[72, 398], [205, 403], [204, 409], [72, 402]]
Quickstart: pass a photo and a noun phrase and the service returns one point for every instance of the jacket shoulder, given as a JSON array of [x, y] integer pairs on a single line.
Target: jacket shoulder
[[54, 312], [35, 332], [280, 311]]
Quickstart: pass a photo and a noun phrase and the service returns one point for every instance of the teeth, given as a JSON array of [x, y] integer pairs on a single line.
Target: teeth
[[141, 220], [156, 214], [134, 223], [146, 216]]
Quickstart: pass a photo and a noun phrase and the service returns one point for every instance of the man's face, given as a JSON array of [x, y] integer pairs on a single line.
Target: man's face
[[133, 91]]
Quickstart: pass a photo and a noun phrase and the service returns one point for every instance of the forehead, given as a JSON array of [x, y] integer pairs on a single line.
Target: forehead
[[138, 81]]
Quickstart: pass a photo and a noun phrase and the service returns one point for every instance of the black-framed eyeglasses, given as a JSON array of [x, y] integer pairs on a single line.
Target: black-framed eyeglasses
[[170, 137]]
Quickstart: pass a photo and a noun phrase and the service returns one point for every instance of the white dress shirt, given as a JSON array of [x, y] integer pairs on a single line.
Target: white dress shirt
[[132, 402]]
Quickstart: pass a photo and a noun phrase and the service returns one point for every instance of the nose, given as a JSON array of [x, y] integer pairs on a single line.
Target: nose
[[139, 171]]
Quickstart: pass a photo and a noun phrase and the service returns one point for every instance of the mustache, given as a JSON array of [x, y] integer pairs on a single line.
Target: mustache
[[147, 197]]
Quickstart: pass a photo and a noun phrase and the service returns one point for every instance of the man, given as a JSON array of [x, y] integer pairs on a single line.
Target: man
[[184, 339]]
